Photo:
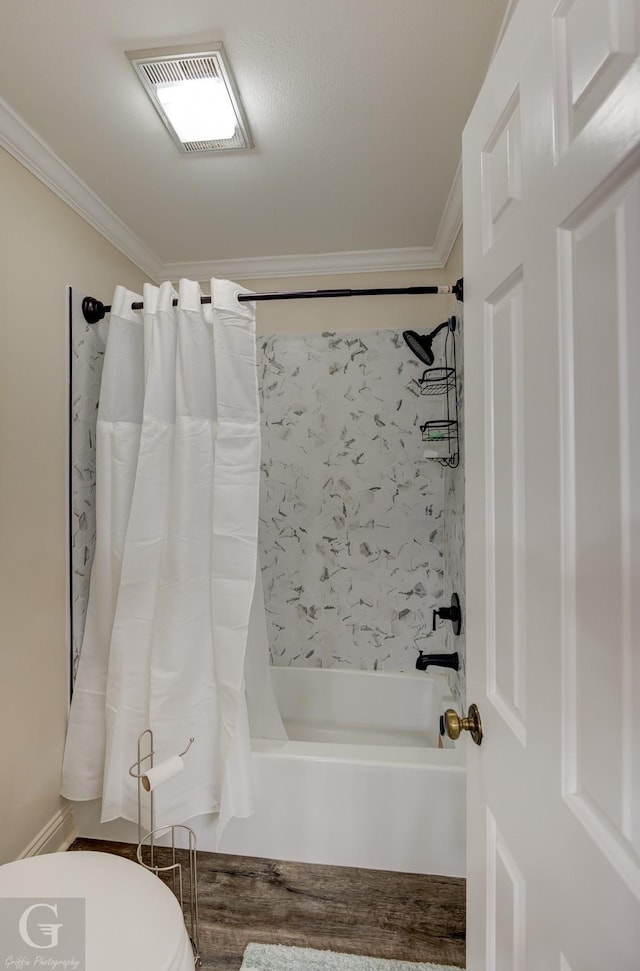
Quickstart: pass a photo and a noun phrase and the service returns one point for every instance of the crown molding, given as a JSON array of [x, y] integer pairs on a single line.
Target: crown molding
[[313, 264], [451, 222], [30, 150]]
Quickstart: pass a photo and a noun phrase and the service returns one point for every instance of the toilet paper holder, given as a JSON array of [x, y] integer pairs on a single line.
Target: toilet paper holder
[[139, 770]]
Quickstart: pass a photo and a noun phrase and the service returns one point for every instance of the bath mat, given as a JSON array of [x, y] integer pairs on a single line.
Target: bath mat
[[278, 957]]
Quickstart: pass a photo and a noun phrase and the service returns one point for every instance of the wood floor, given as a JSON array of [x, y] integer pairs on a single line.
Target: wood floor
[[405, 916]]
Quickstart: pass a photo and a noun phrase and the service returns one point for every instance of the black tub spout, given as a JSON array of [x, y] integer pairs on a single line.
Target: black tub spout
[[439, 660]]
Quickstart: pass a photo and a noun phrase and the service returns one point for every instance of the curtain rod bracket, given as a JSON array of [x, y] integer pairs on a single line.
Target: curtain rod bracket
[[93, 310]]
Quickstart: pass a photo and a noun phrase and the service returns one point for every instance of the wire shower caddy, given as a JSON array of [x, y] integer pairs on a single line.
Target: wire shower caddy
[[443, 433]]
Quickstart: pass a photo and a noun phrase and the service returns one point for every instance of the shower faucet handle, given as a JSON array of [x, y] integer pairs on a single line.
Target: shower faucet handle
[[452, 613], [446, 613]]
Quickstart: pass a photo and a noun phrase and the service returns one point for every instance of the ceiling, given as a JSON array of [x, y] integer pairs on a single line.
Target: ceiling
[[356, 108]]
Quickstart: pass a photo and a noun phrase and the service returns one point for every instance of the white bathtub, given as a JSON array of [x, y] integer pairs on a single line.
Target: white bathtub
[[361, 781]]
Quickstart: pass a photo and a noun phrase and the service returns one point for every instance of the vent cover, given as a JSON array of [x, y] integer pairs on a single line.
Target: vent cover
[[171, 65], [164, 72]]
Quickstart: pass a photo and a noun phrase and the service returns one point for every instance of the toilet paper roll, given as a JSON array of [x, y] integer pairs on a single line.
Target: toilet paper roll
[[162, 773]]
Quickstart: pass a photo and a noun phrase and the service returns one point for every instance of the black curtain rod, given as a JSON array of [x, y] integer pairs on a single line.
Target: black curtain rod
[[94, 310]]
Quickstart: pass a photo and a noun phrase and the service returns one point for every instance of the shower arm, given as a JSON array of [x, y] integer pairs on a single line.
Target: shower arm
[[438, 329], [94, 310]]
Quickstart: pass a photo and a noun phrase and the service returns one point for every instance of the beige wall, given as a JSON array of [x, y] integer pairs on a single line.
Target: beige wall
[[44, 246]]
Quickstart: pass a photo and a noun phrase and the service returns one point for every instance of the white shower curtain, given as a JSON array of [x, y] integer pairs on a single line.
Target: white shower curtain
[[173, 583]]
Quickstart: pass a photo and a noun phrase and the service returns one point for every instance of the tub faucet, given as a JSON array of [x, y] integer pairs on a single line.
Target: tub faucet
[[440, 660]]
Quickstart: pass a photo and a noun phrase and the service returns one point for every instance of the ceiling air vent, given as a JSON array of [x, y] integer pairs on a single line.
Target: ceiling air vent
[[194, 93]]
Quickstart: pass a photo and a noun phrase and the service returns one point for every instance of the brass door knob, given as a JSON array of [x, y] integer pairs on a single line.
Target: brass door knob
[[454, 725]]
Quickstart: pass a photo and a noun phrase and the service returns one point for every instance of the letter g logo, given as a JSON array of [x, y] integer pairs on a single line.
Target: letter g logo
[[49, 931]]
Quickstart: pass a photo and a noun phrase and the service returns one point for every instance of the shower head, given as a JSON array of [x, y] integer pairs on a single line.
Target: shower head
[[420, 344]]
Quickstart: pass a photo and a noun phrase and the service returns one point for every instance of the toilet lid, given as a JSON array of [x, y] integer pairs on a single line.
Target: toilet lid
[[132, 919]]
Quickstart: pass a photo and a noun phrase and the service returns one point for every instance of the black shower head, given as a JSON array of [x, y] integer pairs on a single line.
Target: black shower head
[[420, 344]]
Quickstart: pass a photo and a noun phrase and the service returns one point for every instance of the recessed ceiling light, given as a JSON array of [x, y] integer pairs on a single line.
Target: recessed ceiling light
[[195, 95]]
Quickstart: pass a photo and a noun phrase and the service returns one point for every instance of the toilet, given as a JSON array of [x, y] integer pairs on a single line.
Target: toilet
[[133, 921]]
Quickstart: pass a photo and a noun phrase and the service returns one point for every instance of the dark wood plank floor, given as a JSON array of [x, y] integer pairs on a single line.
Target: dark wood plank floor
[[405, 916]]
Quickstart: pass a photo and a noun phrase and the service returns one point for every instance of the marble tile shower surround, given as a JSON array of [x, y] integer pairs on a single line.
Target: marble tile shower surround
[[87, 353], [353, 524], [351, 515]]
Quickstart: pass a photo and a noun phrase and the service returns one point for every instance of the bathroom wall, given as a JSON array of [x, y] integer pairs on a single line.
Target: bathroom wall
[[350, 317], [351, 515], [44, 246], [378, 636]]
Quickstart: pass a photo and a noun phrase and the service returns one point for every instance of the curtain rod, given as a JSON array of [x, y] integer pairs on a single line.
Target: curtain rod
[[94, 310]]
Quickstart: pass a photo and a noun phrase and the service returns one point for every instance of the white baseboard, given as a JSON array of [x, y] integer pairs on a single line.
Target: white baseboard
[[56, 836]]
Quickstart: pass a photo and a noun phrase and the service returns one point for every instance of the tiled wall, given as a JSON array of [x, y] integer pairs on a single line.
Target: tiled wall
[[87, 353], [352, 516]]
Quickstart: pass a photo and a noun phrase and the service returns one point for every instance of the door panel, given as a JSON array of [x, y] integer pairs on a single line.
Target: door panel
[[595, 44], [506, 947], [506, 536], [551, 158], [601, 314], [502, 172]]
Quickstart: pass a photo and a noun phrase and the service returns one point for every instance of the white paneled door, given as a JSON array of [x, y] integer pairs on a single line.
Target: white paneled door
[[552, 368]]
